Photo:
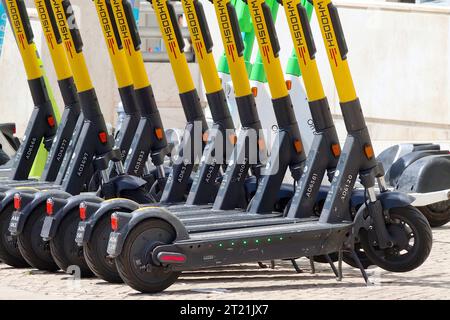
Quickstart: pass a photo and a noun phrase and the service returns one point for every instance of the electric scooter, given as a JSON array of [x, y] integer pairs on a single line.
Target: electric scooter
[[95, 221], [89, 151], [152, 246]]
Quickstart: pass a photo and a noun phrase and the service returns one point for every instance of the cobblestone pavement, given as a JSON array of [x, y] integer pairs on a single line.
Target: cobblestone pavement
[[430, 281]]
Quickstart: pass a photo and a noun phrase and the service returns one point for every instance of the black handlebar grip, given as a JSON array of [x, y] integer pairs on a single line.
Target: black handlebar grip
[[342, 44], [203, 26], [22, 8], [114, 24], [72, 25], [271, 29], [132, 26], [307, 31], [51, 17], [236, 30], [176, 27]]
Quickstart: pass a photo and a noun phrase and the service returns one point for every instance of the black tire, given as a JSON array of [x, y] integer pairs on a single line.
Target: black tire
[[96, 255], [64, 249], [405, 224], [9, 250], [135, 250], [437, 214], [33, 248]]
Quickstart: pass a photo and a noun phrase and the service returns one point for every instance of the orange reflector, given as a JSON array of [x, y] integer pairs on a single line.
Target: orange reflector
[[82, 211], [103, 137], [205, 137], [17, 201], [298, 146], [255, 91], [159, 133], [233, 139], [368, 151], [261, 144], [51, 121], [336, 149], [289, 84], [114, 222], [49, 206]]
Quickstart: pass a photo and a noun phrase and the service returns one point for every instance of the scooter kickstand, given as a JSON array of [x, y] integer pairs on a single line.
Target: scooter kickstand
[[313, 266], [361, 268], [262, 265], [333, 267], [296, 267], [339, 278]]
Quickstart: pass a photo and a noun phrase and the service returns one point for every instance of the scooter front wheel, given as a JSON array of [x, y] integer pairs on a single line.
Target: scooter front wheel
[[63, 248], [412, 241], [95, 252], [437, 214], [135, 264], [9, 252], [33, 248]]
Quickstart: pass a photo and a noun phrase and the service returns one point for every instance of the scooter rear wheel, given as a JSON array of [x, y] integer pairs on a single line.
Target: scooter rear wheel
[[412, 239], [95, 252], [134, 263], [437, 214], [63, 248], [33, 248], [9, 252]]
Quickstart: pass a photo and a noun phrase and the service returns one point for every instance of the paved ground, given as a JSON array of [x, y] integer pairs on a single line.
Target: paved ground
[[431, 281]]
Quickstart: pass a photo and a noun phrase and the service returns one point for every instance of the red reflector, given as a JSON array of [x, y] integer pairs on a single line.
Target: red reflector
[[14, 129], [17, 201], [114, 222], [83, 211], [51, 121], [171, 257], [103, 137], [50, 206]]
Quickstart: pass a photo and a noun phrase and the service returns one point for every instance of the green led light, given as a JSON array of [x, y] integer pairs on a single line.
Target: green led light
[[245, 241], [232, 243], [281, 238], [220, 245], [268, 240], [257, 241]]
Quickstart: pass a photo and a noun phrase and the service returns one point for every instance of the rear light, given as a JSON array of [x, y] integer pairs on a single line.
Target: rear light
[[49, 206], [17, 201], [114, 222], [83, 211], [170, 257]]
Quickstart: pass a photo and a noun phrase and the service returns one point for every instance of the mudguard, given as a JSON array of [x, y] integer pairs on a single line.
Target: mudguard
[[388, 200], [126, 182], [427, 174], [66, 207], [393, 153], [127, 221], [399, 166], [30, 202], [106, 207]]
